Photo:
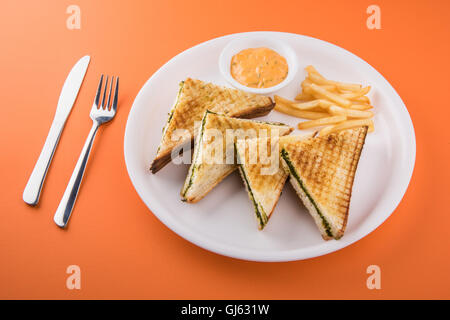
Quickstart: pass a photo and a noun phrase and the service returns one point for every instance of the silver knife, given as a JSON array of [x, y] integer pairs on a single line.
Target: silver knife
[[66, 100]]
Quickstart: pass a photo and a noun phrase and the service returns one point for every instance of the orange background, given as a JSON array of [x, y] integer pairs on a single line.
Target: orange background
[[122, 249]]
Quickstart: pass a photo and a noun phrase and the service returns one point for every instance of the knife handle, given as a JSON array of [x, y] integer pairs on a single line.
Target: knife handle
[[36, 180]]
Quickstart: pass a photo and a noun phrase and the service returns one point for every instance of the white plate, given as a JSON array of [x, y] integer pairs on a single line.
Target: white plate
[[223, 221]]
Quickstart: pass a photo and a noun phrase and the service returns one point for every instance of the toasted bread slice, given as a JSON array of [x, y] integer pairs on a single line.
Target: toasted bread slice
[[322, 170], [261, 171], [214, 157], [194, 97]]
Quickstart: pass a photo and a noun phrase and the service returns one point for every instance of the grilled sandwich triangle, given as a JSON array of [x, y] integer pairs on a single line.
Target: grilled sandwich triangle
[[261, 171], [194, 97], [214, 153], [322, 170]]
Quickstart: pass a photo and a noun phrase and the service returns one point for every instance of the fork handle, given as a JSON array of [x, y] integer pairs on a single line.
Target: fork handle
[[67, 203]]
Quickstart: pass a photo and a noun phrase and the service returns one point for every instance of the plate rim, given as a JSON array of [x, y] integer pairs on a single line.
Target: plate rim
[[287, 255]]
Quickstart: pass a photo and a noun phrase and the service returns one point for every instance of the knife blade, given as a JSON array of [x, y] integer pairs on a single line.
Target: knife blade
[[66, 100]]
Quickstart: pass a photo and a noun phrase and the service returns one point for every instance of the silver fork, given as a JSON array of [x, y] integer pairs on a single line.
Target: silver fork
[[100, 113]]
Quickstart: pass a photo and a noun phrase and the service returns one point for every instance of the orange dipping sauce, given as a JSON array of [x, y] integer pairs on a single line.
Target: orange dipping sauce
[[259, 67]]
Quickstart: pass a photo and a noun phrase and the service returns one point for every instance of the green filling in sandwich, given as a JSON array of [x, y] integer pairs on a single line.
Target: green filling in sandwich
[[294, 173], [260, 215]]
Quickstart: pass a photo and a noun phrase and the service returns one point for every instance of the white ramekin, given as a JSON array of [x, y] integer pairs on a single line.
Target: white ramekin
[[256, 41]]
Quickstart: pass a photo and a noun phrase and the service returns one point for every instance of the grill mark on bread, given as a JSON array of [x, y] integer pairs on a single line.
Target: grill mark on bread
[[327, 167], [195, 98], [211, 174]]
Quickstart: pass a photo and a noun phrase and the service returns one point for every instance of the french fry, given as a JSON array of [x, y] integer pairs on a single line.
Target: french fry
[[304, 96], [350, 112], [325, 103], [365, 90], [317, 79], [279, 99], [360, 100], [326, 130], [285, 108], [341, 91], [321, 122], [306, 88], [356, 94], [306, 83], [361, 107], [300, 113], [320, 80], [311, 70], [334, 104], [330, 87], [330, 95], [313, 105], [311, 115], [345, 125], [347, 86], [309, 105]]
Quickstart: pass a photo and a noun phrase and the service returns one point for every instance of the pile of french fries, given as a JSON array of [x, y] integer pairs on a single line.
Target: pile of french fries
[[330, 104]]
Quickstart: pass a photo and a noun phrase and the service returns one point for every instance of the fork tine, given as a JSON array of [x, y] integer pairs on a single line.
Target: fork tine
[[104, 93], [99, 90], [109, 94], [116, 94]]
